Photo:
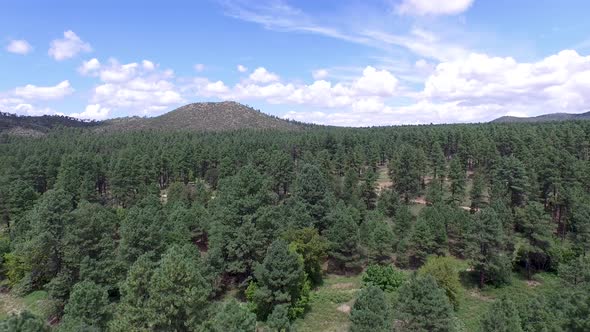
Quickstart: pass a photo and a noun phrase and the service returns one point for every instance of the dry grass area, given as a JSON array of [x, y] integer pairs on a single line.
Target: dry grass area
[[10, 305]]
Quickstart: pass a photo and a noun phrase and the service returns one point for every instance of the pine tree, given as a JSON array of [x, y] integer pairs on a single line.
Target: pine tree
[[458, 180], [581, 228], [486, 241], [538, 315], [368, 193], [279, 279], [142, 230], [278, 320], [477, 193], [232, 317], [87, 306], [407, 171], [370, 311], [343, 235], [501, 317], [537, 229], [437, 160], [23, 322], [423, 306], [179, 291]]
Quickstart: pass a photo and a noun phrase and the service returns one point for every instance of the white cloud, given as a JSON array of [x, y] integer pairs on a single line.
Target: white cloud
[[261, 75], [199, 67], [433, 7], [320, 74], [68, 47], [242, 68], [477, 88], [93, 112], [372, 86], [137, 88], [117, 72], [148, 65], [376, 82], [559, 82], [34, 92], [89, 67], [19, 46]]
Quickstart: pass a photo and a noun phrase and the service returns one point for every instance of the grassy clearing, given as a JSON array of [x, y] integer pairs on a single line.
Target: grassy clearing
[[330, 301], [329, 304], [36, 302], [475, 302]]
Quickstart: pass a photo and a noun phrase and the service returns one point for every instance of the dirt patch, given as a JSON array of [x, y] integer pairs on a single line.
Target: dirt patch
[[532, 283], [419, 200], [10, 305], [345, 308]]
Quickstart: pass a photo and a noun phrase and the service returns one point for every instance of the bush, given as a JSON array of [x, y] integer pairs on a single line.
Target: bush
[[385, 277], [444, 271]]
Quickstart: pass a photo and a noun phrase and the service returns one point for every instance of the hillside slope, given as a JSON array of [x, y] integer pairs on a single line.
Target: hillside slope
[[211, 116], [38, 125], [544, 118]]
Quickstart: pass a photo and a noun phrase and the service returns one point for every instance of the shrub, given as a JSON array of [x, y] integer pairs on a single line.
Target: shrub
[[385, 277]]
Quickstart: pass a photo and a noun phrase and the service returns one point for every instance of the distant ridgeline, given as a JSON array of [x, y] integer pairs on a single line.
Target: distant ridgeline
[[40, 124], [213, 116], [545, 118]]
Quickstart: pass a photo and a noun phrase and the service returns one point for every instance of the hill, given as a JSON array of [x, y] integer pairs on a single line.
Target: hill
[[544, 118], [38, 125], [211, 116]]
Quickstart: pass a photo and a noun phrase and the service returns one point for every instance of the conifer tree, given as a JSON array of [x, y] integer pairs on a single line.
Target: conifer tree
[[279, 279], [486, 242], [423, 306], [370, 311], [501, 317]]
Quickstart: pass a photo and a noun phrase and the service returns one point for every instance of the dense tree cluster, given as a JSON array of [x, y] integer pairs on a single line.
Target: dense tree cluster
[[151, 230]]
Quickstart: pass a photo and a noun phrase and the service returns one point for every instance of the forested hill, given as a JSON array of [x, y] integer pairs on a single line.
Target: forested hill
[[212, 116], [544, 118], [37, 125]]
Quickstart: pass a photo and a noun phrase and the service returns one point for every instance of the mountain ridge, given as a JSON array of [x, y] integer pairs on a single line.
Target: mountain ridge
[[551, 117], [202, 116]]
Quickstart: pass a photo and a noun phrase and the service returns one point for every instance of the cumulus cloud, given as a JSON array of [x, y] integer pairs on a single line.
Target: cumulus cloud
[[89, 67], [433, 7], [139, 88], [19, 46], [68, 47], [560, 82], [93, 112], [148, 65], [242, 68], [319, 74], [199, 67], [261, 75], [478, 88], [34, 92], [372, 86]]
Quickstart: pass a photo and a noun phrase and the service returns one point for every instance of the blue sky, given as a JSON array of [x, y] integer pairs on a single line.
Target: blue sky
[[345, 62]]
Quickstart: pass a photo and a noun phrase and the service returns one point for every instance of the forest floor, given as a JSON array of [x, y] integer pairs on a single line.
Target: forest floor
[[331, 303], [36, 303]]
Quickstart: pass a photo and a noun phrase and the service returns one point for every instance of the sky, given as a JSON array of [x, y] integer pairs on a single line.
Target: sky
[[338, 62]]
